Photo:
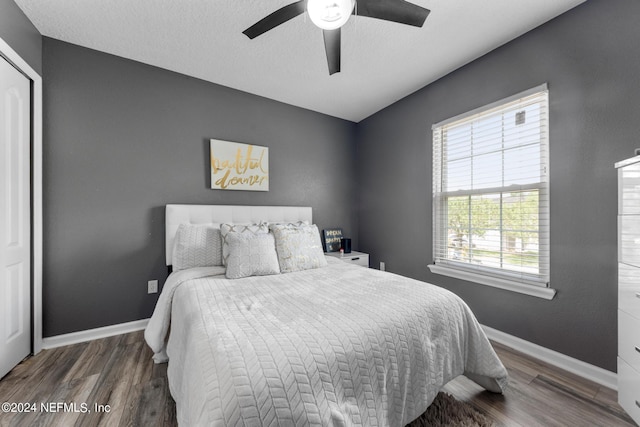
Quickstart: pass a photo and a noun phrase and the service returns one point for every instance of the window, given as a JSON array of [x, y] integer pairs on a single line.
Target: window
[[491, 193]]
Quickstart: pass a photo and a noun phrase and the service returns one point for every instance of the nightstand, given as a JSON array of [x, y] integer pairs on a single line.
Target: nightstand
[[357, 258]]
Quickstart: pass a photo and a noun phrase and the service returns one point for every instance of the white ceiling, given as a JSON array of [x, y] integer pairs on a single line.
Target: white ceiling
[[382, 62]]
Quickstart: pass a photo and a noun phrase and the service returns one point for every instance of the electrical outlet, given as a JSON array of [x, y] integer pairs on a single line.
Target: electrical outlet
[[152, 287], [382, 266]]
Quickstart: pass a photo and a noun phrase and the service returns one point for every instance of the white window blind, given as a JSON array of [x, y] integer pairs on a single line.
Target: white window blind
[[490, 190]]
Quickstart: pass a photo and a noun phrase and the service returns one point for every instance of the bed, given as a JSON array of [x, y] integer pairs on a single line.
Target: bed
[[334, 344]]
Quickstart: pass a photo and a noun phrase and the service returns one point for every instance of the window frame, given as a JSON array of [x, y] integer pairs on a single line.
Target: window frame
[[522, 282]]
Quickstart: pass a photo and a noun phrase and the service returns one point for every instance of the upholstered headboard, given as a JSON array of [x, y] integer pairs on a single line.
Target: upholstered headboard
[[218, 214]]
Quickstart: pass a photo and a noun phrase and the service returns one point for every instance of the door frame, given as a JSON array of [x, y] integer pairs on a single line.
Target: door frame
[[36, 190]]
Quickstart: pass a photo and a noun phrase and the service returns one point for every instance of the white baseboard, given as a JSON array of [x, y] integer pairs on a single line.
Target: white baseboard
[[575, 366], [93, 334]]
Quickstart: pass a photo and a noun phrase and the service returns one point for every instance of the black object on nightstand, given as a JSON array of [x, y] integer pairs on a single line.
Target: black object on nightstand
[[345, 244]]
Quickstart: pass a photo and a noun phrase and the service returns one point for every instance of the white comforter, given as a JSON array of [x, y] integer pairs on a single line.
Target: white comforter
[[340, 345]]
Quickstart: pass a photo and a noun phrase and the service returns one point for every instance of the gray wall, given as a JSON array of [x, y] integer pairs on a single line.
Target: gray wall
[[20, 34], [590, 59], [123, 139]]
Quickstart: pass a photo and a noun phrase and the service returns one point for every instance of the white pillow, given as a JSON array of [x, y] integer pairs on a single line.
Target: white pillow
[[292, 224], [197, 245], [298, 247], [225, 229], [251, 255]]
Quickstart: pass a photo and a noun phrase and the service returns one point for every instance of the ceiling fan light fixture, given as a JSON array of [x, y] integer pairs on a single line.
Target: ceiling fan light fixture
[[330, 14]]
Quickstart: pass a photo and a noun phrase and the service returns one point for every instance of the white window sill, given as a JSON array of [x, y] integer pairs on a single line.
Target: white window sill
[[509, 285]]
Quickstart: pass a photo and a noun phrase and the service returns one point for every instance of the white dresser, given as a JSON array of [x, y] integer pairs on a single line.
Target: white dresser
[[629, 286]]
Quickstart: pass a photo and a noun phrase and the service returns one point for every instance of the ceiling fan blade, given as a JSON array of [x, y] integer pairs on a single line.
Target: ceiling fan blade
[[278, 17], [332, 48], [399, 11]]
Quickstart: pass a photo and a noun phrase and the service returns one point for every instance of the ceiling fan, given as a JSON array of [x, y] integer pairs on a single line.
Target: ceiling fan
[[330, 15]]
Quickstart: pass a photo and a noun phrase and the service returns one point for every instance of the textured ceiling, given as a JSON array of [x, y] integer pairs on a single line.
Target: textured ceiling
[[382, 62]]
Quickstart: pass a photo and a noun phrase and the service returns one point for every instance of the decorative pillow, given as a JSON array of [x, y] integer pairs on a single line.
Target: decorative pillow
[[291, 224], [251, 255], [298, 247], [225, 229], [197, 245]]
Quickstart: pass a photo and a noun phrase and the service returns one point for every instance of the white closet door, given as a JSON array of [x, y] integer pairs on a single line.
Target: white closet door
[[15, 217]]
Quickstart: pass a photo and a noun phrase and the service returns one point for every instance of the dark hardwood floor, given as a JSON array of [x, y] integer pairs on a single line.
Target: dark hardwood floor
[[116, 371], [119, 374], [540, 394]]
